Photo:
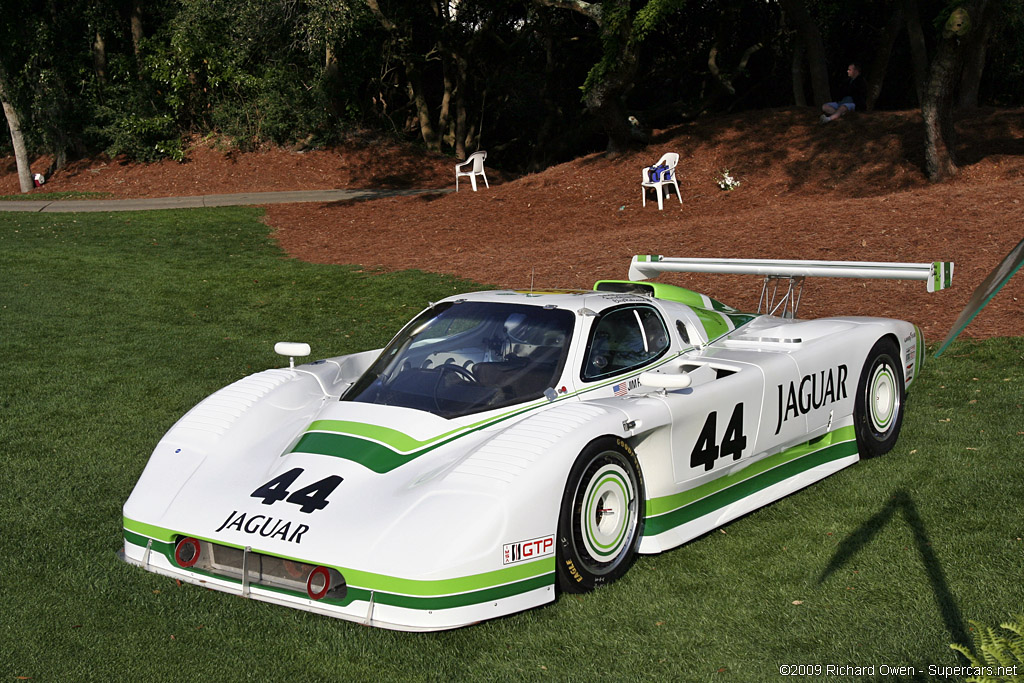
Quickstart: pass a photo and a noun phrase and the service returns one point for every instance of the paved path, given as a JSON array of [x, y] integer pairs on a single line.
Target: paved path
[[244, 198]]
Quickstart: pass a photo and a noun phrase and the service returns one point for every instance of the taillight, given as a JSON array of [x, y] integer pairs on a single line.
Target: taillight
[[318, 584], [186, 553]]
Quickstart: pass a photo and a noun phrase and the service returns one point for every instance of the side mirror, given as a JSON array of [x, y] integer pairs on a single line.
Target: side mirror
[[291, 349]]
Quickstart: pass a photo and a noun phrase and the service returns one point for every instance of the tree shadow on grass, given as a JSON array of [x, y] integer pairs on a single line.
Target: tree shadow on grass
[[902, 503]]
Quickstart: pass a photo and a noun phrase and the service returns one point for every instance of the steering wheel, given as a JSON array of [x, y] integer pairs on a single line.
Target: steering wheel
[[464, 373]]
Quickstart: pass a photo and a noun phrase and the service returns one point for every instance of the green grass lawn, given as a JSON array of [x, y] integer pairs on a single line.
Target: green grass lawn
[[50, 196], [113, 325]]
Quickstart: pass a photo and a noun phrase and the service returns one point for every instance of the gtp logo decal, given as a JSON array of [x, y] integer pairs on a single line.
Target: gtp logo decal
[[528, 550]]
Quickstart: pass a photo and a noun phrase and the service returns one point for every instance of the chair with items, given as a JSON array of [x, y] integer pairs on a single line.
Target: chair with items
[[659, 176]]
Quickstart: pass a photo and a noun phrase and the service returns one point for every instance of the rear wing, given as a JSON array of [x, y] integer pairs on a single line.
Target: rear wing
[[937, 275]]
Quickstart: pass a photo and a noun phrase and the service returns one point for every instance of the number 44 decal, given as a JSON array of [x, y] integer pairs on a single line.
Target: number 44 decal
[[707, 449], [309, 498]]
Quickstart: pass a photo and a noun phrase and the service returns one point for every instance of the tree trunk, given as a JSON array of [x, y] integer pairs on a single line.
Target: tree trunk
[[970, 79], [444, 115], [608, 109], [918, 48], [797, 72], [974, 58], [99, 58], [461, 115], [136, 24], [876, 76], [811, 37], [414, 87], [332, 81], [937, 108], [17, 140]]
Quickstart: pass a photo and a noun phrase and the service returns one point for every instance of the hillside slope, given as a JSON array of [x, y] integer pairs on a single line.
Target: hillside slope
[[852, 190]]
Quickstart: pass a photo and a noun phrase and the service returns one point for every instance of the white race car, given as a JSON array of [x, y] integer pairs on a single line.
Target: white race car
[[509, 444]]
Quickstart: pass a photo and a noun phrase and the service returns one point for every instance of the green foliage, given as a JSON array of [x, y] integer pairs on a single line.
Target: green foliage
[[652, 15], [996, 658], [238, 69], [127, 119], [616, 20], [254, 109], [42, 47], [279, 71], [143, 138]]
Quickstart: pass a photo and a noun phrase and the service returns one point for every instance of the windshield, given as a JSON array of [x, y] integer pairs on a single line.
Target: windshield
[[466, 357]]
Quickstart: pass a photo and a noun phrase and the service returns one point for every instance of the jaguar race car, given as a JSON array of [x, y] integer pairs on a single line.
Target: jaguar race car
[[508, 445]]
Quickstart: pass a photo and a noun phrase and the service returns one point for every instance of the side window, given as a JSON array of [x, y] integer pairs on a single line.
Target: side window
[[681, 326], [624, 339]]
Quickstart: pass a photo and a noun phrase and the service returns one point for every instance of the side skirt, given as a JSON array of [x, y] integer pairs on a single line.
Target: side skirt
[[676, 519]]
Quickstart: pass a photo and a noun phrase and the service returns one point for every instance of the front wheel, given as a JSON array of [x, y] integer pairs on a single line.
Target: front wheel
[[878, 407], [601, 517]]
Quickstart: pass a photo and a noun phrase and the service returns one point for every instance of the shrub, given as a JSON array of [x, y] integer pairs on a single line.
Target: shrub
[[996, 658]]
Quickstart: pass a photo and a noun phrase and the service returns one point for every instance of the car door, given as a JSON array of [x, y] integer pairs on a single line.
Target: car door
[[623, 341], [714, 421]]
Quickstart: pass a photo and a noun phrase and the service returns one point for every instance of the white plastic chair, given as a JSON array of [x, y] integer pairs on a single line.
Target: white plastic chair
[[476, 163], [670, 159]]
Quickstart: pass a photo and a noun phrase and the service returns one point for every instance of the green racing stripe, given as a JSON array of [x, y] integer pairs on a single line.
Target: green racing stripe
[[668, 512], [383, 449]]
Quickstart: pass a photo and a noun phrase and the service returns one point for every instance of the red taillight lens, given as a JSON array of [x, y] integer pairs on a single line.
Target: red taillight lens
[[186, 553], [319, 583]]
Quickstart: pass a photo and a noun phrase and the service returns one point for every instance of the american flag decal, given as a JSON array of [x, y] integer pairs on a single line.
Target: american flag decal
[[620, 389]]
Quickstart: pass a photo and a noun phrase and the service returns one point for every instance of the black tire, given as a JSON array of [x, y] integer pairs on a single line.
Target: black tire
[[878, 407], [601, 519]]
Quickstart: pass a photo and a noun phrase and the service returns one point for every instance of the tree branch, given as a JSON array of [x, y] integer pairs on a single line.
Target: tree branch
[[591, 10], [384, 21]]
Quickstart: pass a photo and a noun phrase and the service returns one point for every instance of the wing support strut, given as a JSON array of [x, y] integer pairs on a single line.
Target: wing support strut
[[785, 303]]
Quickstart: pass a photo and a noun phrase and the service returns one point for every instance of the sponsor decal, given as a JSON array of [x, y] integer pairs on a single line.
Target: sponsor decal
[[265, 526], [625, 386], [911, 347], [813, 391], [572, 570], [623, 298], [528, 550]]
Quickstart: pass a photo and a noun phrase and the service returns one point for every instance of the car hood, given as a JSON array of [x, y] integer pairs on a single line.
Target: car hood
[[392, 501]]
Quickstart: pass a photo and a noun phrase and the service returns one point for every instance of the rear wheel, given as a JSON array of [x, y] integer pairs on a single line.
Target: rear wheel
[[601, 518], [878, 407]]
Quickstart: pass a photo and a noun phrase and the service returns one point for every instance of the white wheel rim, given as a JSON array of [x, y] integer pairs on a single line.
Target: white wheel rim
[[883, 397], [608, 513]]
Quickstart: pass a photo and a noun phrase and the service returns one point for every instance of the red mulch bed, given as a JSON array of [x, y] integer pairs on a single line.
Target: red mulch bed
[[853, 190]]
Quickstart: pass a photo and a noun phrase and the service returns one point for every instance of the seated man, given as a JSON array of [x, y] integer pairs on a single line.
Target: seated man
[[852, 96]]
